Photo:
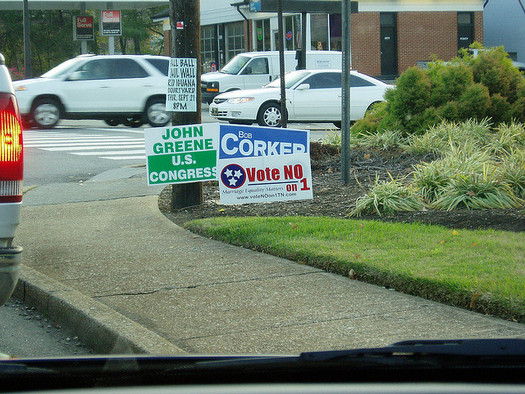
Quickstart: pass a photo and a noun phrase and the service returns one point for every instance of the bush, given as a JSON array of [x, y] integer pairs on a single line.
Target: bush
[[467, 87]]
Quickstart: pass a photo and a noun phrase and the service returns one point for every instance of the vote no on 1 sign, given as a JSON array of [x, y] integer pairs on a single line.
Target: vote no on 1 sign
[[181, 154], [260, 164], [182, 85]]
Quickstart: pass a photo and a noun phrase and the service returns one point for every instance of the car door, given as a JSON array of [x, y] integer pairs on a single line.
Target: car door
[[256, 73], [320, 100], [107, 85], [362, 94]]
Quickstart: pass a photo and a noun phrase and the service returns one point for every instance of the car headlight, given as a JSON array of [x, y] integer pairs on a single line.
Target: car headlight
[[240, 100]]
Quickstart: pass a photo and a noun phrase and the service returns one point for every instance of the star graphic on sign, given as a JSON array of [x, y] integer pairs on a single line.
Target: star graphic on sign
[[233, 176], [237, 174]]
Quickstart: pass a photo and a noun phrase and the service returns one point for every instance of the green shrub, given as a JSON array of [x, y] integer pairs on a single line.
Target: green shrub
[[474, 102], [466, 87]]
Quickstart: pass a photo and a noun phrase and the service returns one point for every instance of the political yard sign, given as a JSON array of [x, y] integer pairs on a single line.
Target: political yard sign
[[181, 154], [261, 164]]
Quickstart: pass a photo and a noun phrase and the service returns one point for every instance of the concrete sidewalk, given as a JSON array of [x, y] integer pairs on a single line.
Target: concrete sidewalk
[[129, 280]]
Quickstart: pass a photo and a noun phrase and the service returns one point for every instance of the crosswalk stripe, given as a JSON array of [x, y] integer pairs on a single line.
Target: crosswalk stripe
[[84, 144], [114, 152], [106, 147], [95, 147], [123, 157]]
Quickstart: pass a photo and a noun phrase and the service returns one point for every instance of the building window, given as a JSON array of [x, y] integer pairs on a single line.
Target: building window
[[336, 43], [292, 26], [208, 49], [319, 31], [465, 29], [234, 39], [262, 35]]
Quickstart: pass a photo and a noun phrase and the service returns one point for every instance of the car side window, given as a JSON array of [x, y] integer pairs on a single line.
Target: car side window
[[160, 64], [95, 69], [127, 68], [357, 82], [256, 66], [324, 81]]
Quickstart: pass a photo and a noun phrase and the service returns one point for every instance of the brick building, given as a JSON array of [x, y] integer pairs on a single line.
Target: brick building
[[388, 36]]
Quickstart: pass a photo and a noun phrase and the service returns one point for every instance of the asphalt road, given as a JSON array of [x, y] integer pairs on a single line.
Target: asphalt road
[[26, 333]]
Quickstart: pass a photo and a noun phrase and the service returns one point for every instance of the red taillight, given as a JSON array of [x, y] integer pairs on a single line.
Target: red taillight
[[11, 150]]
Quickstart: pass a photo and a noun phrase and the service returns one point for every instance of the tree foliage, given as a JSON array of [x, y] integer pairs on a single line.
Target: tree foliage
[[52, 37]]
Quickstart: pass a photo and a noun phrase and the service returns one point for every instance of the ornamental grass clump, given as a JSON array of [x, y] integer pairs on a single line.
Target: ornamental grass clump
[[512, 171], [387, 197], [387, 140], [430, 179], [439, 138], [477, 191], [506, 138]]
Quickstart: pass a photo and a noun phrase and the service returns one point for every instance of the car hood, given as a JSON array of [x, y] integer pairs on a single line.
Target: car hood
[[264, 92], [215, 76], [32, 82]]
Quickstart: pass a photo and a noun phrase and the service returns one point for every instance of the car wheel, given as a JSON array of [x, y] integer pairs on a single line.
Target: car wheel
[[133, 121], [337, 124], [372, 107], [45, 113], [112, 122], [156, 114], [270, 115]]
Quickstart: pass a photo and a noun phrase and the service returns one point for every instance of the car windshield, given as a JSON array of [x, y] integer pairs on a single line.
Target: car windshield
[[290, 79], [61, 69], [235, 65], [170, 209]]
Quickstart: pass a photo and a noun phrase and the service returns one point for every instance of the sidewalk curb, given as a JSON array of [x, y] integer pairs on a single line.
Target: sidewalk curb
[[98, 326]]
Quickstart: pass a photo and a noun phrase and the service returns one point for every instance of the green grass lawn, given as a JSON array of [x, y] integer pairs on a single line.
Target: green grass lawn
[[479, 270]]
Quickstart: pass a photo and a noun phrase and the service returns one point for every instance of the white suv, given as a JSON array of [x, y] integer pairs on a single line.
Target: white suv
[[129, 89], [11, 177]]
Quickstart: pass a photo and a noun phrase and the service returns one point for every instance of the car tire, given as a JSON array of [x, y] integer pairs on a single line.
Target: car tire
[[112, 122], [372, 107], [155, 112], [337, 124], [133, 121], [45, 113], [270, 115]]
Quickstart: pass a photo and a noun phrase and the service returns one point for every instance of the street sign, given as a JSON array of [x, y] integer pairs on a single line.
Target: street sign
[[182, 85], [110, 23], [262, 164], [181, 154], [83, 28]]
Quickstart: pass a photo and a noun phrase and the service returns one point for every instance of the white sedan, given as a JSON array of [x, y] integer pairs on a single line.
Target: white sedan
[[311, 96]]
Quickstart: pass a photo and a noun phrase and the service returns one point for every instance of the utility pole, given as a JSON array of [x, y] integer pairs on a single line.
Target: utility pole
[[345, 101], [27, 41], [284, 113], [185, 43]]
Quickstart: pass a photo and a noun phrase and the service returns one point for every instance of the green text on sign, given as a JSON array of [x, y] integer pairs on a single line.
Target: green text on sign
[[183, 167]]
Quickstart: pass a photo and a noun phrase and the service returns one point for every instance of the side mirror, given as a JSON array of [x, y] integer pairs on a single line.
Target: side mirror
[[303, 86]]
